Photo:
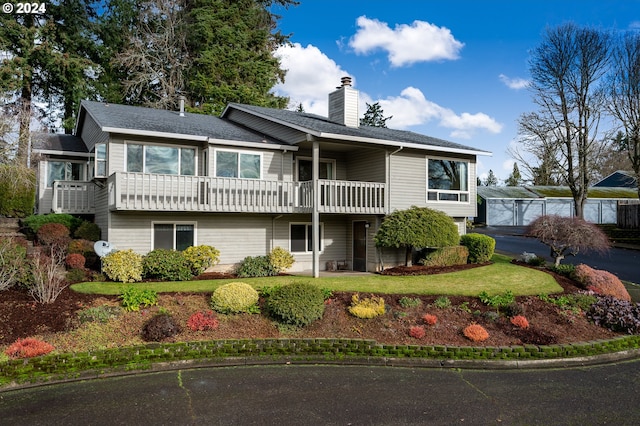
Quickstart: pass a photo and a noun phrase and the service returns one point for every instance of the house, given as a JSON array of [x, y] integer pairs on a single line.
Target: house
[[618, 179], [519, 206], [252, 179]]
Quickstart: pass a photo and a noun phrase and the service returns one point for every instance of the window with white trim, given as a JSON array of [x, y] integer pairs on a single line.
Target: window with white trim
[[173, 236], [447, 180], [167, 160], [301, 237], [64, 170], [238, 164], [100, 165]]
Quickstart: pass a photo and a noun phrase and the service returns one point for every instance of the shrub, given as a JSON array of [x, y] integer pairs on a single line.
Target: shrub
[[475, 333], [53, 234], [566, 270], [417, 331], [409, 302], [17, 190], [601, 282], [133, 298], [281, 259], [297, 304], [160, 327], [446, 256], [369, 307], [513, 309], [123, 266], [255, 266], [202, 321], [12, 260], [520, 321], [85, 248], [430, 319], [48, 277], [88, 231], [537, 261], [75, 261], [201, 257], [616, 315], [34, 222], [499, 300], [166, 265], [234, 297], [442, 302], [101, 313], [481, 247], [28, 348], [76, 275]]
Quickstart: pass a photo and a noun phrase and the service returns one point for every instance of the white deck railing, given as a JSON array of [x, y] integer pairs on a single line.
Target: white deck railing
[[153, 192], [73, 197]]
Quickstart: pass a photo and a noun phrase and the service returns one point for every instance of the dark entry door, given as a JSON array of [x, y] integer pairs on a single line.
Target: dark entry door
[[360, 246]]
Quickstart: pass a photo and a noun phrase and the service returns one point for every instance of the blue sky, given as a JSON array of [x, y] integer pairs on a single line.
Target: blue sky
[[456, 70]]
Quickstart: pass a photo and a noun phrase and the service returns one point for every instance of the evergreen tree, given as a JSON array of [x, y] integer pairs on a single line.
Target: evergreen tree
[[491, 179], [374, 116], [514, 179]]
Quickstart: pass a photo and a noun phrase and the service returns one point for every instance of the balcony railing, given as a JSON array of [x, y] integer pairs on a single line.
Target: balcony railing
[[153, 192], [73, 197]]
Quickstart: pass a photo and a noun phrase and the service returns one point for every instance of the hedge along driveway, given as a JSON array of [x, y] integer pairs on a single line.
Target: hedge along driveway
[[496, 278]]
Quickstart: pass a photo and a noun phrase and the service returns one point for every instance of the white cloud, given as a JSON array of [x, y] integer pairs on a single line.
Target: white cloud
[[507, 165], [311, 76], [635, 25], [514, 83], [405, 44]]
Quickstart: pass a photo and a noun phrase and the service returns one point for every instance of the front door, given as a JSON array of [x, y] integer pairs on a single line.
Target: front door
[[360, 246]]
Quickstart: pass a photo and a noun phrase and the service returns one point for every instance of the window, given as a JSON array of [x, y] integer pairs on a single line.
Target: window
[[301, 237], [448, 180], [234, 164], [305, 169], [165, 160], [100, 169], [64, 170], [172, 236]]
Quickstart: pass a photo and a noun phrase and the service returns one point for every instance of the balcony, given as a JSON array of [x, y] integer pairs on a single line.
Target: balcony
[[152, 192]]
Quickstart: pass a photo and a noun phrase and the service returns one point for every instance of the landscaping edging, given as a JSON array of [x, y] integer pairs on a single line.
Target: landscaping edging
[[239, 352]]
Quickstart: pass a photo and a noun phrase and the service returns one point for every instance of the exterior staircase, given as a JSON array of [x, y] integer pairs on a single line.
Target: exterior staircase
[[10, 227]]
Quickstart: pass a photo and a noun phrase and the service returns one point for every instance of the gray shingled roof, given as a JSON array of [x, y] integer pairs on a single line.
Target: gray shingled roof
[[170, 122], [58, 142], [317, 123]]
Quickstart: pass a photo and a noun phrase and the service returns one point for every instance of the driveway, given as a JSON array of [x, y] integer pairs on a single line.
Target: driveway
[[337, 395], [623, 262]]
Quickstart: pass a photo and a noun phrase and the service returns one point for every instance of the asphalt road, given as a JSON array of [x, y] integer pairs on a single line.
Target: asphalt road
[[624, 263], [337, 395]]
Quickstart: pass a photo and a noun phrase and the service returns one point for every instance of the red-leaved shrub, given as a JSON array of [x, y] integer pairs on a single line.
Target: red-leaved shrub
[[28, 348], [475, 333], [429, 319], [520, 321], [201, 321], [53, 234], [417, 331], [601, 282], [75, 261]]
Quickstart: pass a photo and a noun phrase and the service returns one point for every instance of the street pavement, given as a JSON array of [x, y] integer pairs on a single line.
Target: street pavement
[[337, 395]]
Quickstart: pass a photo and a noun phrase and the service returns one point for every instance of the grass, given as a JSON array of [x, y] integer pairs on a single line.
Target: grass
[[496, 278]]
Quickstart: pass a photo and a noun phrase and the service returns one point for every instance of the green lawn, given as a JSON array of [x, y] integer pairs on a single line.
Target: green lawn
[[494, 279]]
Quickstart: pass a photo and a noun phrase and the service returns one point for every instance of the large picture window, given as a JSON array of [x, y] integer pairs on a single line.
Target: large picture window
[[448, 180], [64, 170], [301, 237], [173, 236], [234, 164], [165, 160]]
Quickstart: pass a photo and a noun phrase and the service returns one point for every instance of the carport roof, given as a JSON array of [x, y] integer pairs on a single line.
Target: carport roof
[[506, 192], [532, 192]]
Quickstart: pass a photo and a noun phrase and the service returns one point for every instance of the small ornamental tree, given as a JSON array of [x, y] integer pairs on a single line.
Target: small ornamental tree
[[417, 227], [567, 236]]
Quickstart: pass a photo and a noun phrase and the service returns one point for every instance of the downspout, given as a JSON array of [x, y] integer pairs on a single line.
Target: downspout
[[273, 229]]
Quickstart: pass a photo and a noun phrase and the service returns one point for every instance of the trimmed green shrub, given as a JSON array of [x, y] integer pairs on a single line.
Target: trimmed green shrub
[[234, 298], [201, 257], [17, 190], [34, 222], [166, 265], [281, 259], [566, 270], [160, 327], [123, 266], [446, 256], [481, 247], [88, 231], [133, 298], [256, 266], [297, 304]]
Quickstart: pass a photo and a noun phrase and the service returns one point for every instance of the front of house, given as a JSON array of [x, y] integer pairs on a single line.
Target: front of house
[[251, 180]]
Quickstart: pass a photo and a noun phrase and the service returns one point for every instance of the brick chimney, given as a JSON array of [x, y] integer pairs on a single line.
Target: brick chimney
[[343, 104]]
